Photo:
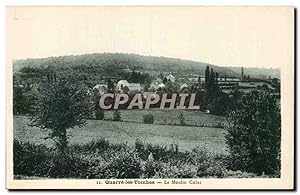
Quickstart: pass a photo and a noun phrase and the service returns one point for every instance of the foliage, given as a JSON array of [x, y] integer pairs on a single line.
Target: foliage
[[181, 119], [148, 119], [31, 159], [93, 66], [61, 104], [117, 115], [101, 159], [23, 99], [171, 87], [253, 137], [99, 113], [216, 101], [136, 77]]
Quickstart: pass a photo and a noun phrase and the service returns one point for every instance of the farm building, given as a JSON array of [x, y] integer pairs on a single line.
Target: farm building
[[121, 84], [170, 78], [184, 86]]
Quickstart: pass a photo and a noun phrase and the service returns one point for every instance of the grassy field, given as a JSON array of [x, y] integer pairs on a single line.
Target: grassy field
[[196, 118], [186, 137]]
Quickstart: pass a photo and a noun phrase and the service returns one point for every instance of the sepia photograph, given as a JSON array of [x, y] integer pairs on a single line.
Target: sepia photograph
[[157, 97]]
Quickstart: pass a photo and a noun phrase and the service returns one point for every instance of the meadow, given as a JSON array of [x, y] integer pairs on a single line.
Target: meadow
[[186, 137], [171, 117]]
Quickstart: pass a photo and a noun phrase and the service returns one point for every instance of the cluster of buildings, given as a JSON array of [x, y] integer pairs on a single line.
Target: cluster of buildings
[[123, 86], [226, 84]]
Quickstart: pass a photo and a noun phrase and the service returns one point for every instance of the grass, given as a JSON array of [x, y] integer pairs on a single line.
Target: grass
[[186, 137], [196, 118]]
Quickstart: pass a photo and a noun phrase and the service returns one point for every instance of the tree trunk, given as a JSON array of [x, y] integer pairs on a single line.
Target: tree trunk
[[63, 142]]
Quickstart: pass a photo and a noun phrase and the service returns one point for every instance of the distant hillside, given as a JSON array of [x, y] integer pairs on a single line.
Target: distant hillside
[[110, 64], [262, 73]]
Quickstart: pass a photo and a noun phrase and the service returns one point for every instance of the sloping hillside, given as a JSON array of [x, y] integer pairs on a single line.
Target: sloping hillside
[[110, 64]]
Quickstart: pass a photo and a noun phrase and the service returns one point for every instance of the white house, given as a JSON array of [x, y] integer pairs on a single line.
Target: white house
[[171, 78], [135, 87], [161, 85], [184, 86], [121, 84]]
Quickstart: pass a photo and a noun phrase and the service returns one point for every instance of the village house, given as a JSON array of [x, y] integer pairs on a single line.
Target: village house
[[170, 78], [183, 86], [124, 85], [121, 84]]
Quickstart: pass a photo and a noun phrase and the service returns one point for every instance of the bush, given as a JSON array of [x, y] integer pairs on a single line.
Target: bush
[[99, 113], [117, 116], [38, 160], [100, 159], [67, 166], [151, 168], [181, 119], [120, 164], [254, 136], [168, 170], [160, 153], [124, 165], [97, 146], [148, 119], [31, 159]]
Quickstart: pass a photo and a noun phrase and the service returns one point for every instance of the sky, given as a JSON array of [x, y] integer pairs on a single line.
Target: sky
[[231, 36]]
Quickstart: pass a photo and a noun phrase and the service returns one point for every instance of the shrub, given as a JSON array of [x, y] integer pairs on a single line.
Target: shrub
[[161, 153], [125, 165], [98, 146], [67, 166], [99, 113], [30, 159], [168, 170], [214, 169], [148, 119], [117, 116], [181, 119], [253, 139], [100, 159], [38, 160]]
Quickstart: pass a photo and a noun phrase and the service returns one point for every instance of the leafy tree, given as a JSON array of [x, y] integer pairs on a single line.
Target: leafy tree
[[235, 97], [181, 119], [207, 79], [199, 82], [117, 116], [99, 113], [254, 133], [219, 105], [171, 87], [110, 86], [214, 100], [61, 104], [148, 119]]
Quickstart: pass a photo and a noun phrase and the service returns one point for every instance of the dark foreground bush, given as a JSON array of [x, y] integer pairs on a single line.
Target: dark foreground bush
[[102, 159], [38, 160], [31, 159], [148, 119], [254, 134]]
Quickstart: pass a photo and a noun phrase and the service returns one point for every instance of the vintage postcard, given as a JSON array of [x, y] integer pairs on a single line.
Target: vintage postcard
[[178, 97]]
